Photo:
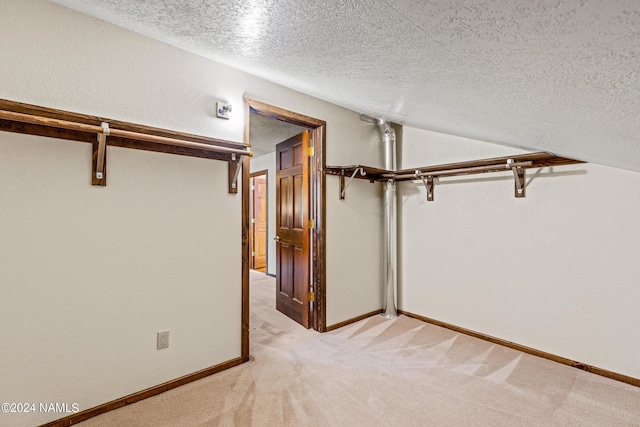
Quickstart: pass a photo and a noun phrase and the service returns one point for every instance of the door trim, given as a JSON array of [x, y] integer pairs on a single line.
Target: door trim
[[317, 193]]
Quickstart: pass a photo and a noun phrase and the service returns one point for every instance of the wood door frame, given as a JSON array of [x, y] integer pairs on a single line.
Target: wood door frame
[[252, 175], [317, 193]]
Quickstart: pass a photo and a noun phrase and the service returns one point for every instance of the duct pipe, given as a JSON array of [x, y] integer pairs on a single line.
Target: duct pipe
[[390, 254]]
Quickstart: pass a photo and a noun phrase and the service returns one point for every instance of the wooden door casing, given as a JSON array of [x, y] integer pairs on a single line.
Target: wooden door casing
[[317, 191], [292, 228]]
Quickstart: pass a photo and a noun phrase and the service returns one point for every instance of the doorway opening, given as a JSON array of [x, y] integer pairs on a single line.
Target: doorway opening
[[258, 211], [289, 212]]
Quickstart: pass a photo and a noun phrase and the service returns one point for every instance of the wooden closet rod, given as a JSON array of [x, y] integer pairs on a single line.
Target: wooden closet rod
[[82, 127]]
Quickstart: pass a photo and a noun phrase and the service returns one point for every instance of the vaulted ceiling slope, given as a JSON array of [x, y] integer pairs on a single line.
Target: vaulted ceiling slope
[[553, 75]]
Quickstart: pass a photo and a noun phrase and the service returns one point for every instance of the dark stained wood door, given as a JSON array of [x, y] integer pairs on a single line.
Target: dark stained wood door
[[259, 222], [292, 228]]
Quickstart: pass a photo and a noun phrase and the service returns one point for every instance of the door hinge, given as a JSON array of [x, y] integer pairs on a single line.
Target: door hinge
[[310, 151], [253, 220], [312, 223], [253, 187], [253, 253], [312, 296]]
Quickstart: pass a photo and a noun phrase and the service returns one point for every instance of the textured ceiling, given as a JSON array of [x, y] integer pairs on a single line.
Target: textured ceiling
[[265, 133], [560, 76]]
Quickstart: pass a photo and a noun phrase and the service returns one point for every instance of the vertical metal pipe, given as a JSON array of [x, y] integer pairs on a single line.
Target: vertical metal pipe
[[390, 270], [390, 264], [389, 141], [390, 250]]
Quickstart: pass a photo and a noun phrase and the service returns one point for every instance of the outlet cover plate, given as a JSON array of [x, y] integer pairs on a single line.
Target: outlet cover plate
[[163, 340]]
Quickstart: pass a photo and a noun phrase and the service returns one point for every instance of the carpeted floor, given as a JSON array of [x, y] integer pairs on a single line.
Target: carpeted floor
[[380, 372]]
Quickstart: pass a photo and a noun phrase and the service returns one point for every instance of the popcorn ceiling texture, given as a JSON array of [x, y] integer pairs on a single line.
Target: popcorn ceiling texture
[[267, 132], [559, 76]]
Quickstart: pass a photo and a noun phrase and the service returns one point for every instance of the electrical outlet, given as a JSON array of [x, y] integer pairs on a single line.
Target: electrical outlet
[[163, 339]]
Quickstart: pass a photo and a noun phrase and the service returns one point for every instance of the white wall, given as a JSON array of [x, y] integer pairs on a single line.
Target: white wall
[[557, 271], [354, 229], [71, 288], [90, 274], [268, 163], [354, 225]]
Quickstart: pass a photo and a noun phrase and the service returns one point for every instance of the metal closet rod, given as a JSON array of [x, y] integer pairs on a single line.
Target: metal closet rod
[[471, 170], [82, 127]]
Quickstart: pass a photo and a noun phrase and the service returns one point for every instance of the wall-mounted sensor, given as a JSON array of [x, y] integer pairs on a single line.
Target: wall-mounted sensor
[[223, 109]]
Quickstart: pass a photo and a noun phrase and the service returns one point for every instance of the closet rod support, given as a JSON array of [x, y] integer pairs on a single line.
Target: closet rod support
[[102, 147], [428, 184], [343, 187], [519, 177], [234, 172]]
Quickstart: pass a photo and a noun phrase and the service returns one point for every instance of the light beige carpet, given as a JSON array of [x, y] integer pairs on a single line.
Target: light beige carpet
[[381, 372]]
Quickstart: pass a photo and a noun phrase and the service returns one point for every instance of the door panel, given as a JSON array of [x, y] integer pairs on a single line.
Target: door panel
[[285, 160], [259, 226], [297, 203], [284, 275], [299, 295], [284, 203], [292, 241]]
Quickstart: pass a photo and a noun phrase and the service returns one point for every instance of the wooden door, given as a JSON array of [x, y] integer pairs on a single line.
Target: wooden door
[[292, 228], [259, 223]]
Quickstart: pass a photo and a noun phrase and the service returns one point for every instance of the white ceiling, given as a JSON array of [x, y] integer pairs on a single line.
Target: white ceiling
[[554, 75]]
